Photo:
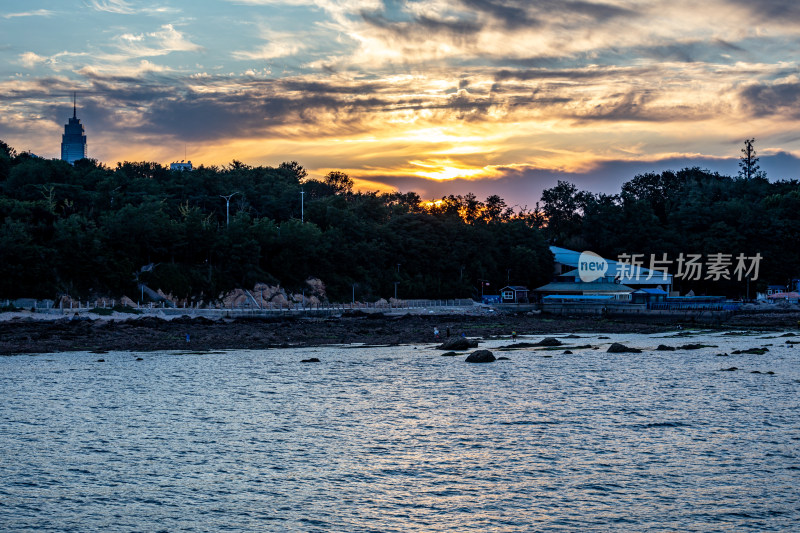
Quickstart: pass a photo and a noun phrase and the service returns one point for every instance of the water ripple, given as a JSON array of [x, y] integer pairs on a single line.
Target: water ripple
[[400, 439]]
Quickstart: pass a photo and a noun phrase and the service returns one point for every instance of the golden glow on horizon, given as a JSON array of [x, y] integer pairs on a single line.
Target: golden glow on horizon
[[412, 94]]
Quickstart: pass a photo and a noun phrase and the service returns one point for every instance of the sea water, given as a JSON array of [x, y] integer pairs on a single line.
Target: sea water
[[402, 439]]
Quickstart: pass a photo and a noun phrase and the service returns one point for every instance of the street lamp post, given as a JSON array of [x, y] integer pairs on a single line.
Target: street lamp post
[[302, 205], [482, 281], [396, 283], [228, 206]]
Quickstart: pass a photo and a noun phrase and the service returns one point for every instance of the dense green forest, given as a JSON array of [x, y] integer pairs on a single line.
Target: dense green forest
[[88, 230], [691, 212]]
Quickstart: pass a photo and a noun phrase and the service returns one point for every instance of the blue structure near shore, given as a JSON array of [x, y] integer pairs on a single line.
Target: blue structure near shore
[[648, 296], [690, 303]]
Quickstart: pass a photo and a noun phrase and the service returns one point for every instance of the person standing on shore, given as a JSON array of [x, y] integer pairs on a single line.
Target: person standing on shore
[[436, 332]]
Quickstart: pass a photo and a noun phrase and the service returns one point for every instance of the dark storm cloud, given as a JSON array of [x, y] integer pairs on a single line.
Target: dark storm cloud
[[510, 15], [514, 14], [571, 74], [421, 25], [319, 87], [199, 109], [774, 10], [626, 107], [210, 117], [761, 100], [598, 11]]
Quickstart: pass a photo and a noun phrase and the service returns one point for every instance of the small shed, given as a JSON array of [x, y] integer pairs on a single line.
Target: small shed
[[514, 294], [646, 296], [775, 289]]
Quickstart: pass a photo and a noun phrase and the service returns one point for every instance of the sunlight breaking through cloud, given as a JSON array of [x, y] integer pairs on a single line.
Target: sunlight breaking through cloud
[[441, 91]]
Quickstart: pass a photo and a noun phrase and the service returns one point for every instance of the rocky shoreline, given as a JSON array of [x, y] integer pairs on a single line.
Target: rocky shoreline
[[145, 334]]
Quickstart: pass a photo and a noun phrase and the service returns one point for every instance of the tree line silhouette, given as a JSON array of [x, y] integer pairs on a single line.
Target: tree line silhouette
[[89, 230]]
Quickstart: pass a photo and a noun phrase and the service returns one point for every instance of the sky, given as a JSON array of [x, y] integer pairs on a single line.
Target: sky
[[436, 96]]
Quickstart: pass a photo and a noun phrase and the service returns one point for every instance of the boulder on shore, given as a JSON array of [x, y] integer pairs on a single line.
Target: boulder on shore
[[621, 348], [549, 341], [481, 356], [458, 343], [665, 348]]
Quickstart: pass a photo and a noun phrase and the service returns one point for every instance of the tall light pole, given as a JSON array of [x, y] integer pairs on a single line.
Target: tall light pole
[[302, 198], [482, 282], [396, 283], [228, 206]]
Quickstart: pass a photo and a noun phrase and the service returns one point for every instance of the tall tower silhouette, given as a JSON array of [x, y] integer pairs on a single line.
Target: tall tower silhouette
[[73, 142]]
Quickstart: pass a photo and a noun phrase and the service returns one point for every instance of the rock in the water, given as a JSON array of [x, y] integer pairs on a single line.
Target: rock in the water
[[519, 345], [603, 337], [722, 355], [621, 348], [481, 356], [549, 341], [503, 359], [695, 346], [458, 343], [139, 359], [310, 360], [751, 351], [731, 369], [665, 348], [449, 354], [567, 352], [101, 360]]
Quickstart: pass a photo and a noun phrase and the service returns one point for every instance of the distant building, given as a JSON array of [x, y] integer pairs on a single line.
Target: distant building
[[73, 142], [634, 277], [514, 294], [775, 289], [183, 165]]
